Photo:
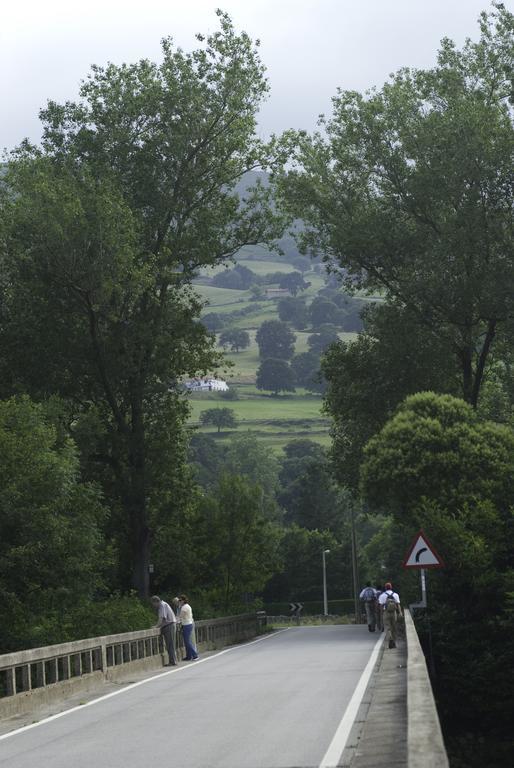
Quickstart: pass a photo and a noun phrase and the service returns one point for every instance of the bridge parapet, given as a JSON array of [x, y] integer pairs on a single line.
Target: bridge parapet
[[425, 745], [51, 673]]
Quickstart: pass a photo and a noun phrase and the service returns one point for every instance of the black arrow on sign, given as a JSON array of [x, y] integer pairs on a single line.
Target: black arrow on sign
[[420, 552]]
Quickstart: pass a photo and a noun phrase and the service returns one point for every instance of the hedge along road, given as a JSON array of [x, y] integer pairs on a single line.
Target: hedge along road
[[288, 699]]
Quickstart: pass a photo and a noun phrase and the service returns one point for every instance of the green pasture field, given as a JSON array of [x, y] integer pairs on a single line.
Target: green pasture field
[[265, 267], [221, 297], [274, 421], [267, 311], [246, 362], [259, 266], [273, 440], [262, 408]]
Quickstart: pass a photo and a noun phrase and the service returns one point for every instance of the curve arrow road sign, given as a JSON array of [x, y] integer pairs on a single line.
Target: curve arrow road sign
[[422, 554]]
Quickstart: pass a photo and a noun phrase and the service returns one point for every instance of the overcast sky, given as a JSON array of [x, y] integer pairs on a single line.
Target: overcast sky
[[310, 47]]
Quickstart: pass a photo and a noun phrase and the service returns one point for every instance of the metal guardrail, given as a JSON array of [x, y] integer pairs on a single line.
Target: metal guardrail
[[52, 672], [425, 743]]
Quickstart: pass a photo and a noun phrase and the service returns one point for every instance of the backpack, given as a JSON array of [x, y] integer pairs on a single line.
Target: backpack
[[390, 603], [369, 595]]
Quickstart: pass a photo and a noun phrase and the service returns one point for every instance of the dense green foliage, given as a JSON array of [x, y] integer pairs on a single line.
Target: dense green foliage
[[52, 554], [235, 339], [293, 282], [275, 375], [275, 339], [293, 310]]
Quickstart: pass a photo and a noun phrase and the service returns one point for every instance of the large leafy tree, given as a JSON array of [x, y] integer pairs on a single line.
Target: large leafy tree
[[293, 310], [107, 223], [275, 339], [235, 338], [410, 190], [293, 282], [276, 376]]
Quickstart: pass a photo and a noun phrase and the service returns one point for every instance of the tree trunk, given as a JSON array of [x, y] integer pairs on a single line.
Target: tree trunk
[[141, 560], [466, 360], [472, 380], [482, 359], [140, 532]]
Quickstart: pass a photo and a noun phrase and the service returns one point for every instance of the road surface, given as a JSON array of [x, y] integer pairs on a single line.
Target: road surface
[[278, 702]]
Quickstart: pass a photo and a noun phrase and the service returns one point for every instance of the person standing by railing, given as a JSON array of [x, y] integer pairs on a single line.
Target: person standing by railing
[[166, 623], [186, 619]]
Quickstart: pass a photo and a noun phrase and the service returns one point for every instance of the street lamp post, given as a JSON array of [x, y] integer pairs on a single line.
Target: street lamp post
[[325, 600]]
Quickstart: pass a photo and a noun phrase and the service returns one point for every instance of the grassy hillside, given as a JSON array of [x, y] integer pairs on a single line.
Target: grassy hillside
[[273, 420]]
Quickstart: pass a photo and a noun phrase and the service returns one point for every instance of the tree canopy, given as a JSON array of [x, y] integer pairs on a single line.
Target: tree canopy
[[294, 282], [235, 338], [106, 224], [275, 339], [276, 376], [409, 190]]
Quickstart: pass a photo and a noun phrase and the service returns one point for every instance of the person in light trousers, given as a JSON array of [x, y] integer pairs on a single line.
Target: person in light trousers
[[186, 619]]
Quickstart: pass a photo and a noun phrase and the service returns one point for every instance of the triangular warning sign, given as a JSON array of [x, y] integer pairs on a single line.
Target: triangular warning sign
[[422, 554]]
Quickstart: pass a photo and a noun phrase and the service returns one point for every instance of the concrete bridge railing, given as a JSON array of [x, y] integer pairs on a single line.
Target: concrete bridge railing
[[425, 743], [42, 675]]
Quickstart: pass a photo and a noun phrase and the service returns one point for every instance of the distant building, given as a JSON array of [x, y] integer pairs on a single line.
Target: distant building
[[206, 385], [277, 293]]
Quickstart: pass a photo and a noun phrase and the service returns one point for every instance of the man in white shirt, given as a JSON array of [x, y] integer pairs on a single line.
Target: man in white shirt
[[166, 622], [390, 603], [369, 596]]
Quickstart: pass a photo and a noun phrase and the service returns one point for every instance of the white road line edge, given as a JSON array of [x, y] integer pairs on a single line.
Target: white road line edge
[[338, 743], [130, 686]]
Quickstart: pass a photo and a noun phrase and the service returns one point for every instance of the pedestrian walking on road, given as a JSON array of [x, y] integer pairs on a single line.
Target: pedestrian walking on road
[[188, 625], [378, 608], [369, 597], [391, 610], [166, 622]]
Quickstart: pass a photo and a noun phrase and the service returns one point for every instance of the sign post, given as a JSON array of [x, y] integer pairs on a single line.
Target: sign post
[[423, 555], [296, 609]]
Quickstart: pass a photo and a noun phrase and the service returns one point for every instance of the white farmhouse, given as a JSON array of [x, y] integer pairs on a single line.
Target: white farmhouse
[[206, 385]]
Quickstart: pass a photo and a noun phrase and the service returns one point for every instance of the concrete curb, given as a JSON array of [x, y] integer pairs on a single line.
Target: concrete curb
[[424, 736]]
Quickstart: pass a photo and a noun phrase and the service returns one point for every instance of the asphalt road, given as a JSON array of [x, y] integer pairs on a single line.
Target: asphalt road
[[274, 703]]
